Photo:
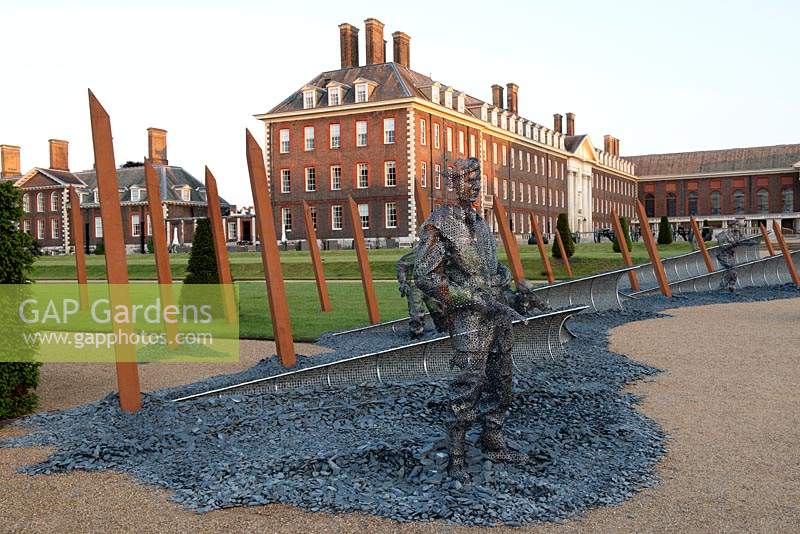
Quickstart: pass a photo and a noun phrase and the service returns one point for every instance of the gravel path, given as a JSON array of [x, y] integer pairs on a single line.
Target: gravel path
[[732, 464]]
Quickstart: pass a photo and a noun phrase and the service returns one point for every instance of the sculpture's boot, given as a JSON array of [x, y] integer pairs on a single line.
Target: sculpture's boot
[[457, 466], [493, 445]]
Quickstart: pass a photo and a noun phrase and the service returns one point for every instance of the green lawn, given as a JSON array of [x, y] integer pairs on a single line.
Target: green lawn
[[589, 258]]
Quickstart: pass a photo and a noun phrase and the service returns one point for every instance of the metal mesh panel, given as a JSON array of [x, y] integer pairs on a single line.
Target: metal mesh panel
[[597, 292], [540, 339]]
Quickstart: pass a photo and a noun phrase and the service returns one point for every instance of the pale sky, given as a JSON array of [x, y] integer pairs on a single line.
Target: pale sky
[[661, 76]]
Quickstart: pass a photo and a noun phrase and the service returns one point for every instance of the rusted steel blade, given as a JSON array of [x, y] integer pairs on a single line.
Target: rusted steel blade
[[80, 247], [701, 244], [270, 256], [767, 242], [548, 269], [363, 263], [423, 204], [316, 259], [509, 242], [116, 261], [785, 251], [652, 250], [564, 257], [623, 247], [220, 248]]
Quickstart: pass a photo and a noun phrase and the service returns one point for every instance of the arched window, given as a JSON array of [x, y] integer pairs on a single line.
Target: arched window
[[716, 199], [671, 203], [39, 202], [788, 200], [738, 201], [693, 203], [763, 200], [53, 201], [26, 203], [650, 205]]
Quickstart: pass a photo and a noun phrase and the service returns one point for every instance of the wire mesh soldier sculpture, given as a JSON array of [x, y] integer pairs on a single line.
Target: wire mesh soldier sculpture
[[727, 241], [418, 302], [457, 265]]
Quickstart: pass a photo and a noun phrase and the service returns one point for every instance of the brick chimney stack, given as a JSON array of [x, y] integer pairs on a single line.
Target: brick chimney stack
[[402, 49], [9, 161], [511, 98], [557, 122], [348, 45], [376, 46], [497, 96], [611, 145], [59, 155], [157, 146], [570, 124]]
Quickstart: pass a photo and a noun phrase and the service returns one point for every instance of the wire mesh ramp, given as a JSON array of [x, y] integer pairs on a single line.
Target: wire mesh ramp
[[597, 292], [770, 271], [691, 264], [542, 338]]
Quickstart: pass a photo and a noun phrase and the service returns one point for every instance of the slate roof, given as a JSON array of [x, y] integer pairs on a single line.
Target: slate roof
[[717, 161], [572, 142], [62, 176]]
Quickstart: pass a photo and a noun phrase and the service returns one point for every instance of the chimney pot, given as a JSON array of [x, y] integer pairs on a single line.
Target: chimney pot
[[570, 124], [557, 122], [511, 97], [157, 146], [402, 49], [376, 46], [9, 161], [59, 154], [497, 96], [348, 45]]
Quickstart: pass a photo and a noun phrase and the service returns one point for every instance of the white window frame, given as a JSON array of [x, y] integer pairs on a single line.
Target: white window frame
[[362, 93], [423, 133], [136, 194], [435, 94], [309, 99], [436, 134], [286, 181], [286, 216], [389, 166], [310, 179], [388, 131], [437, 176], [448, 98], [460, 103], [462, 143], [26, 203], [472, 145], [136, 225], [335, 139], [26, 225], [359, 168], [40, 229], [334, 96], [285, 138], [232, 233], [361, 136], [39, 203], [54, 228], [363, 216], [424, 174], [449, 139], [337, 217], [54, 201], [98, 227], [390, 208], [308, 138], [336, 177]]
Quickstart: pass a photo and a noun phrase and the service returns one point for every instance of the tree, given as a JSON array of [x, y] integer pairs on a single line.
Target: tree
[[664, 231], [623, 221], [562, 227], [17, 379], [202, 267]]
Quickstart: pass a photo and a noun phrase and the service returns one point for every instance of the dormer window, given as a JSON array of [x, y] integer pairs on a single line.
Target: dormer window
[[361, 93], [494, 116], [484, 113], [503, 121], [309, 99], [136, 194], [448, 98], [186, 193], [512, 124], [461, 101], [435, 93], [334, 96], [96, 196]]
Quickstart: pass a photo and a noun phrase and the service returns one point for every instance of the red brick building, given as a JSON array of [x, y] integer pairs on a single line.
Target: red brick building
[[45, 199], [373, 130], [758, 184]]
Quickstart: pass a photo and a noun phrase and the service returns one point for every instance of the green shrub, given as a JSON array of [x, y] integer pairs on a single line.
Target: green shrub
[[626, 231], [664, 231], [150, 246], [17, 379], [562, 227], [202, 266], [100, 249]]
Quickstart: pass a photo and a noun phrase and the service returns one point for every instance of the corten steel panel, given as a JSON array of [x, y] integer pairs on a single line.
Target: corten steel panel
[[270, 256], [116, 261], [701, 244], [423, 204], [80, 252], [785, 250], [541, 339], [509, 241], [655, 259], [220, 249], [767, 242], [564, 257], [363, 263], [160, 247], [316, 260], [548, 269], [623, 247]]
